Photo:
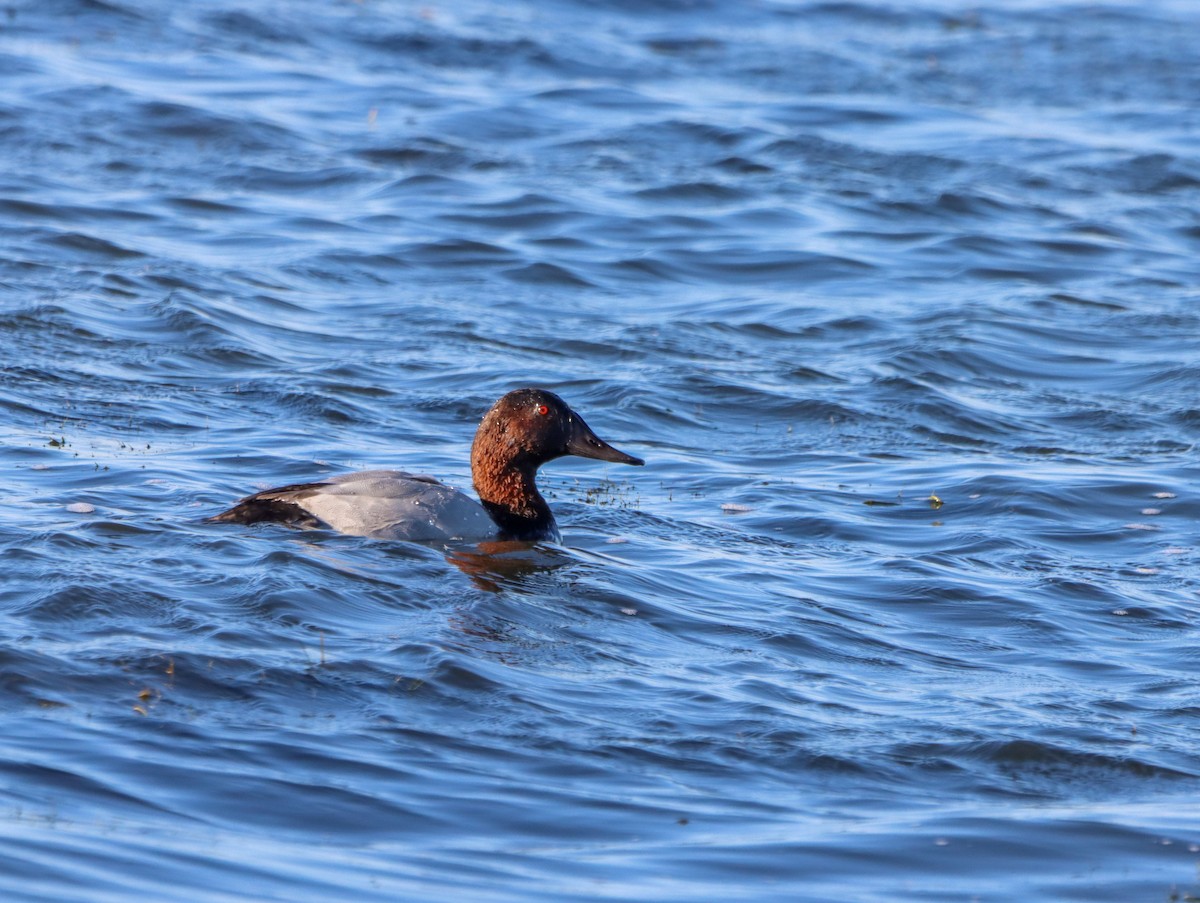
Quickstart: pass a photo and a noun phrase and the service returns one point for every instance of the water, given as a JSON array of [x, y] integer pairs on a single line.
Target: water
[[899, 302]]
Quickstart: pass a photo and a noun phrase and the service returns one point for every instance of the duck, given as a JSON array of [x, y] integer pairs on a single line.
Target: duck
[[523, 430]]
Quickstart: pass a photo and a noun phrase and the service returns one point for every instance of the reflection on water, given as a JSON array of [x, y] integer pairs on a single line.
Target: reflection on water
[[497, 566]]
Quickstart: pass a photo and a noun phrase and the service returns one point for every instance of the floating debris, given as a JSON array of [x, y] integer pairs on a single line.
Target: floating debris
[[1150, 512], [1140, 527], [616, 540], [732, 508], [935, 502], [81, 508], [1163, 495]]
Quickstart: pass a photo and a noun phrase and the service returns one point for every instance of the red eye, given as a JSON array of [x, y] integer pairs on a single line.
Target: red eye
[[543, 409]]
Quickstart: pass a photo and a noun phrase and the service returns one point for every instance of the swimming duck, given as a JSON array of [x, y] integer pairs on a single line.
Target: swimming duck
[[522, 431]]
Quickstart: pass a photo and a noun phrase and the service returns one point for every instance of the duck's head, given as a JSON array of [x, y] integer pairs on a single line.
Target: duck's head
[[533, 426]]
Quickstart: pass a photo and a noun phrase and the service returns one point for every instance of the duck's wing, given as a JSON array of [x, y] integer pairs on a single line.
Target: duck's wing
[[385, 504]]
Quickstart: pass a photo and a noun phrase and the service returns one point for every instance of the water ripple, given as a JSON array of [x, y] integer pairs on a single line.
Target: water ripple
[[897, 302]]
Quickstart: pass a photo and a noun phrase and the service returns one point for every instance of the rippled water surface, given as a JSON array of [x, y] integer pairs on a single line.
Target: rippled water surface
[[899, 301]]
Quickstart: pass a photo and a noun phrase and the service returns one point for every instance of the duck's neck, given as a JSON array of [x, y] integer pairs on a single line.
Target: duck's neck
[[509, 493]]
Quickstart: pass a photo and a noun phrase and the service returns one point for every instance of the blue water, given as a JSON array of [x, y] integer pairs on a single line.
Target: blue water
[[899, 301]]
